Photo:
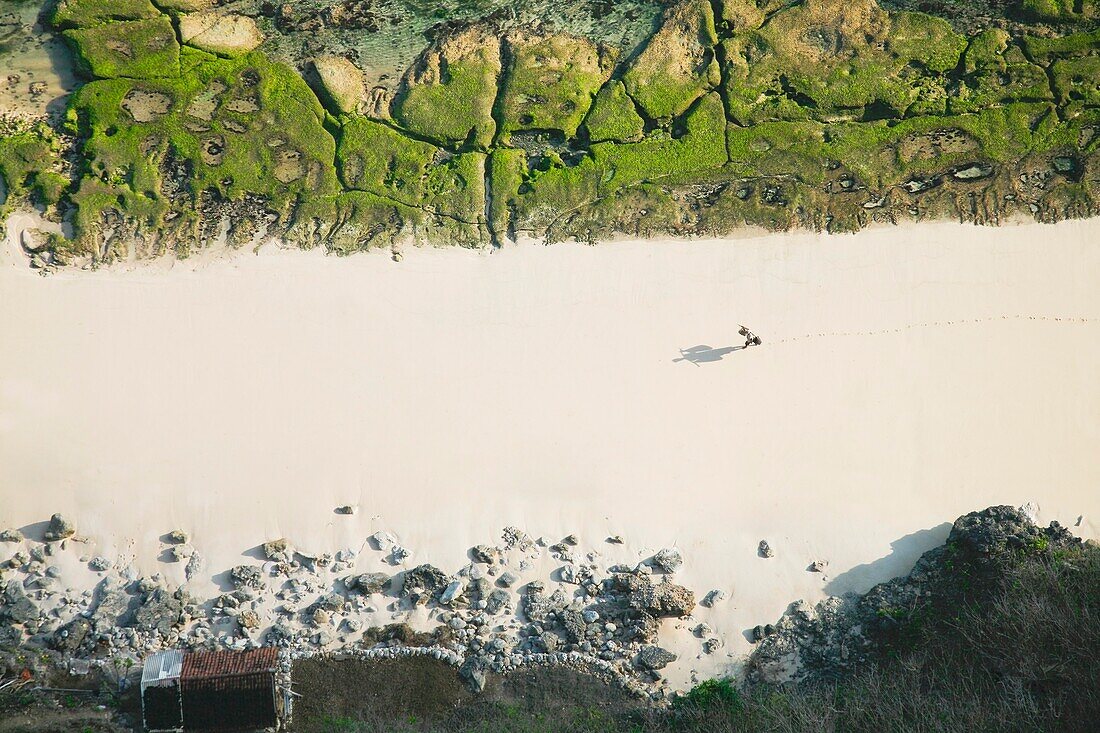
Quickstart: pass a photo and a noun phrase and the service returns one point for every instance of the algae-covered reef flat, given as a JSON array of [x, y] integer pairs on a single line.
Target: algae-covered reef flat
[[493, 121]]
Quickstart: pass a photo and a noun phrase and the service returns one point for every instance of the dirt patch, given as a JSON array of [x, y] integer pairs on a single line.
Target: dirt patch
[[932, 145], [146, 106]]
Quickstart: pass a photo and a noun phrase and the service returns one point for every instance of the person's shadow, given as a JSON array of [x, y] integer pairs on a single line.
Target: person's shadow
[[702, 354]]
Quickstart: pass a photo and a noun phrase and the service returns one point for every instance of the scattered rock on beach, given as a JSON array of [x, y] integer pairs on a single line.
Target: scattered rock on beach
[[247, 576], [654, 657], [486, 554], [11, 535], [346, 509], [59, 528], [715, 596], [178, 536], [615, 539], [818, 566], [99, 564], [278, 550], [668, 560], [764, 549], [382, 541]]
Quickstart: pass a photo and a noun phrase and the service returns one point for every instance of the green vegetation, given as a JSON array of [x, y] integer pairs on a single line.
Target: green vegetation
[[550, 83], [817, 118], [1060, 10], [136, 49], [449, 96], [1005, 648], [27, 157], [613, 117], [87, 13], [678, 64]]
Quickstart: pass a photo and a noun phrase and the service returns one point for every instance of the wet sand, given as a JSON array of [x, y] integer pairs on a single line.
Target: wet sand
[[907, 375]]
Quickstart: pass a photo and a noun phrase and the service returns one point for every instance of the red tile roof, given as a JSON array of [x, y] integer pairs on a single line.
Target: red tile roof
[[207, 665]]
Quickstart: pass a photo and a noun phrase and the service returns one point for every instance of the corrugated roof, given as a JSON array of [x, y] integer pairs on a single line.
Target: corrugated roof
[[161, 667], [207, 665]]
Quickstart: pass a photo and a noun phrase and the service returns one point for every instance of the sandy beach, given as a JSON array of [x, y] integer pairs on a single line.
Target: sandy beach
[[907, 375]]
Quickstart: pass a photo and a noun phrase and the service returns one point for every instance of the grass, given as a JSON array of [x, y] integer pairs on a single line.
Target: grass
[[135, 49]]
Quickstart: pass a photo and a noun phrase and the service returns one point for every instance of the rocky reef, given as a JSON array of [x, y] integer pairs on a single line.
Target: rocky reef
[[202, 121], [839, 636]]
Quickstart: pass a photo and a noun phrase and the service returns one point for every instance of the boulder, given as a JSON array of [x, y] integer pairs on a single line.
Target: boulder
[[427, 578], [342, 83], [486, 554], [654, 657], [17, 607], [279, 550], [367, 583], [668, 560], [11, 535], [666, 600], [226, 34], [247, 576], [59, 529]]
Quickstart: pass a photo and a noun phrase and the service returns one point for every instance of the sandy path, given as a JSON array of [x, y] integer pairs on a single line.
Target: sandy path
[[455, 392]]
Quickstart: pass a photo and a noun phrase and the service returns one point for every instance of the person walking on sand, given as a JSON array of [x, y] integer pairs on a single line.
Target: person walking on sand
[[751, 339]]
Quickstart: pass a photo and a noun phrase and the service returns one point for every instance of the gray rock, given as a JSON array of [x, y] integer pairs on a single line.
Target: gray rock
[[452, 592], [279, 550], [486, 554], [368, 583], [382, 541], [247, 576], [18, 608], [346, 509], [666, 600], [818, 566], [507, 579], [427, 578], [11, 535], [714, 596], [100, 564], [654, 657], [59, 529], [178, 536], [615, 539], [668, 560], [496, 601], [764, 549]]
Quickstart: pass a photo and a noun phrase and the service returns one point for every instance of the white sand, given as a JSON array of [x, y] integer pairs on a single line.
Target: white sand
[[455, 392]]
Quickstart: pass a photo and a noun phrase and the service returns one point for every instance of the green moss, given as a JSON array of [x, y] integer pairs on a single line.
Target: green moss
[[376, 158], [1060, 10], [1077, 82], [26, 161], [237, 127], [450, 98], [826, 59], [137, 49], [87, 13], [1077, 43], [613, 116], [550, 83], [677, 65], [929, 41], [507, 168]]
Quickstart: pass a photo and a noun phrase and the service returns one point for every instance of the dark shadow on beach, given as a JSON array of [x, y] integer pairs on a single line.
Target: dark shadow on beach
[[900, 561], [704, 354]]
